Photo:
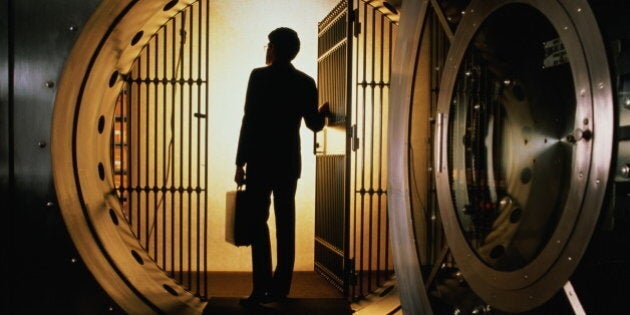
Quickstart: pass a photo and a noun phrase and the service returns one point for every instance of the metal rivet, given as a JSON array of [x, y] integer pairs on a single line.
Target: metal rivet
[[565, 28], [585, 121], [50, 204], [49, 84], [558, 241], [597, 181], [570, 258], [41, 144], [72, 28], [627, 103], [600, 85], [579, 9], [625, 171], [525, 276], [73, 260]]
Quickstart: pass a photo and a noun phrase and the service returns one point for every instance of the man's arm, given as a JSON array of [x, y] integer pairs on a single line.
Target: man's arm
[[314, 117], [242, 152]]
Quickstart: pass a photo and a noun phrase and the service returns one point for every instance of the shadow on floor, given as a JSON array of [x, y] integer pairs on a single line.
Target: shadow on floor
[[292, 306]]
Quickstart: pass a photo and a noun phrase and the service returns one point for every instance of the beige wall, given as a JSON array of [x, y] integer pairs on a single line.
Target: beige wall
[[239, 31]]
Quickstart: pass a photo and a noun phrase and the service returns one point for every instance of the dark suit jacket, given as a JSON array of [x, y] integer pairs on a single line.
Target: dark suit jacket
[[278, 98]]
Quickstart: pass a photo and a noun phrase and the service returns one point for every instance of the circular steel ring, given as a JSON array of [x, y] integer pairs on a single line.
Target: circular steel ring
[[82, 170], [538, 281]]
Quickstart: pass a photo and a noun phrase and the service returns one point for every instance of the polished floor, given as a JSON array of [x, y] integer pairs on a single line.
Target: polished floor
[[306, 284], [310, 295]]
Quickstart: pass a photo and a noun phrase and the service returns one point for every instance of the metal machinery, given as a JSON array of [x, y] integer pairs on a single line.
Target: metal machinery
[[521, 110], [507, 175]]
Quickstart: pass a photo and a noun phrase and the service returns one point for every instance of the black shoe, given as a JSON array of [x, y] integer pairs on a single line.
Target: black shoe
[[274, 298], [252, 300]]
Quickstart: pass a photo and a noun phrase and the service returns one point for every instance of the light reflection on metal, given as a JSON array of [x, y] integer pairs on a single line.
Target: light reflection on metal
[[81, 138], [160, 147], [528, 194], [523, 284]]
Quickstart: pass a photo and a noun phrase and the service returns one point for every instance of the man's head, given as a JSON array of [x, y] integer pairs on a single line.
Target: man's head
[[284, 45]]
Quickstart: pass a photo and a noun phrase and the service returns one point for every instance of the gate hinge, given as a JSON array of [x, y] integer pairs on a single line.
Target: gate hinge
[[355, 138], [356, 25]]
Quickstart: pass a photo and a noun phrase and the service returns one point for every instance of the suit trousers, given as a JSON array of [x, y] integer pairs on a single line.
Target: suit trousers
[[260, 191]]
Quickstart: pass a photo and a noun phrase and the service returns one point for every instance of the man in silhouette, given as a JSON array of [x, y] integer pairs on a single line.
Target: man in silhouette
[[278, 97]]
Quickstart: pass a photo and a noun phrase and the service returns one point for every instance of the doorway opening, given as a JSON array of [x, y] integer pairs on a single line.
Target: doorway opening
[[137, 106]]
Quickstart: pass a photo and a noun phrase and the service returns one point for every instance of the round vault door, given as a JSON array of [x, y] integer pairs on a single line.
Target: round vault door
[[523, 146]]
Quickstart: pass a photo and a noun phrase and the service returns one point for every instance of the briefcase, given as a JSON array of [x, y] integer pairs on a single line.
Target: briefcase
[[237, 218]]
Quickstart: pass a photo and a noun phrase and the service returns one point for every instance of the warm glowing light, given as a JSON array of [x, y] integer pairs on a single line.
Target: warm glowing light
[[238, 34]]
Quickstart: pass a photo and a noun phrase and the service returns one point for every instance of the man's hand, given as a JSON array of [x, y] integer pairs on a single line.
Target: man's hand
[[239, 176], [325, 110]]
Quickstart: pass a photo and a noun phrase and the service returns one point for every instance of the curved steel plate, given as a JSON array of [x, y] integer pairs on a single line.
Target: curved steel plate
[[536, 282], [409, 280], [87, 92]]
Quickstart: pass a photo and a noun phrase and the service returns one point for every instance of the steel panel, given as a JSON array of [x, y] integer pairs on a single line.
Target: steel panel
[[409, 280], [5, 156], [42, 34], [536, 283]]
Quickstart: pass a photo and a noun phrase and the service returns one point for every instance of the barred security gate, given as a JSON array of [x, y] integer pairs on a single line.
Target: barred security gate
[[351, 233], [160, 147]]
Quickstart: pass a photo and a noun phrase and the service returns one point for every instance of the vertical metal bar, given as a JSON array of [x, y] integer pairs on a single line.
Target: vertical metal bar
[[371, 154], [363, 137], [129, 141], [380, 150], [207, 76], [348, 154], [154, 227], [138, 150], [164, 144], [199, 118], [171, 150], [191, 146], [145, 152], [181, 150], [389, 69], [353, 81], [146, 147]]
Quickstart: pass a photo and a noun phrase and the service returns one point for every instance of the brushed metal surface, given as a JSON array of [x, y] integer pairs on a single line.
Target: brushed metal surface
[[87, 91], [35, 42], [409, 280], [538, 281]]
